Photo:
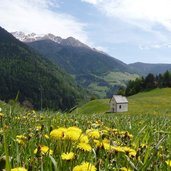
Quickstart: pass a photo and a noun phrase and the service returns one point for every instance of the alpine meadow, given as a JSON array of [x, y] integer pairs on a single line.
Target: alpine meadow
[[85, 85]]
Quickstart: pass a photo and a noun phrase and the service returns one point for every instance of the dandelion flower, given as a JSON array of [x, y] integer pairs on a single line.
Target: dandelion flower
[[21, 139], [168, 162], [73, 133], [124, 169], [43, 150], [84, 146], [93, 133], [86, 166], [58, 133], [1, 114], [84, 138], [19, 169], [68, 156]]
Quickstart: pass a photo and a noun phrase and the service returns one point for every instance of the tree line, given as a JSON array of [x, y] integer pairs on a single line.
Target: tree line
[[146, 83]]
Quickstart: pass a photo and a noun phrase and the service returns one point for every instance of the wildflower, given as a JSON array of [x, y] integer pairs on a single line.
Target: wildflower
[[73, 133], [38, 128], [124, 169], [106, 146], [168, 162], [98, 143], [21, 139], [132, 153], [1, 114], [93, 133], [117, 149], [43, 150], [68, 156], [46, 136], [86, 166], [84, 146], [57, 133], [19, 169], [84, 139]]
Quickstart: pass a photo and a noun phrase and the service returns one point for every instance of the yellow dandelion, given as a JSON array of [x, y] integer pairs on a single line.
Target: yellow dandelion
[[21, 139], [117, 149], [124, 169], [106, 146], [46, 136], [68, 156], [84, 138], [19, 169], [73, 133], [84, 146], [43, 150], [58, 133], [1, 114], [98, 144], [38, 127], [76, 129], [86, 166], [168, 162], [132, 153], [93, 133]]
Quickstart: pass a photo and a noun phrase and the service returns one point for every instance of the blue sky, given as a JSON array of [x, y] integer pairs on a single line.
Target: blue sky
[[129, 30]]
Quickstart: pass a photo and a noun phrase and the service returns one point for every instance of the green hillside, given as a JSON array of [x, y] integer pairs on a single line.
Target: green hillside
[[35, 79], [96, 71], [156, 101]]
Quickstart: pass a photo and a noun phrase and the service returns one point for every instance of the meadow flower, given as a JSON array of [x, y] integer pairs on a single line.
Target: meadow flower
[[46, 136], [58, 133], [84, 146], [117, 149], [43, 150], [86, 166], [93, 133], [21, 139], [84, 138], [73, 133], [168, 162], [19, 169], [124, 169], [68, 156], [1, 114], [132, 153], [38, 127], [98, 144]]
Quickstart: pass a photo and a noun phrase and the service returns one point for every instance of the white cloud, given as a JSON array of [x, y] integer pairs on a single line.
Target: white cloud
[[90, 1], [37, 16], [143, 13]]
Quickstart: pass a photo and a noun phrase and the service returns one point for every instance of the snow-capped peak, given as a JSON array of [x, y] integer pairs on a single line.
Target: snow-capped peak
[[31, 37]]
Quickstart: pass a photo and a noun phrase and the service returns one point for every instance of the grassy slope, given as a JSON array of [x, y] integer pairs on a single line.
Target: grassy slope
[[152, 102], [113, 79]]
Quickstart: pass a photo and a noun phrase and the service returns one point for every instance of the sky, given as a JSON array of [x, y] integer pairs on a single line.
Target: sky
[[129, 30]]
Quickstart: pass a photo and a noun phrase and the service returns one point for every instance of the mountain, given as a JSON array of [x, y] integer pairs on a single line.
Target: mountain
[[145, 68], [92, 69], [70, 41], [33, 77]]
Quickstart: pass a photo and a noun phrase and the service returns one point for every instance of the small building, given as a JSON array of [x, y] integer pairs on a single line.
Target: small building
[[118, 103]]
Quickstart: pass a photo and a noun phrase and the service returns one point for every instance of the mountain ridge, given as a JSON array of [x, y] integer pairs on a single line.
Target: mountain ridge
[[36, 78], [146, 68]]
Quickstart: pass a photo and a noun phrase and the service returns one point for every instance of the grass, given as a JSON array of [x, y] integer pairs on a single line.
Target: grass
[[136, 140], [113, 79], [151, 102]]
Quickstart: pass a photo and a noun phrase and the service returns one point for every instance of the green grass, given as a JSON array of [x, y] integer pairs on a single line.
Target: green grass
[[156, 101], [137, 140], [113, 79]]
